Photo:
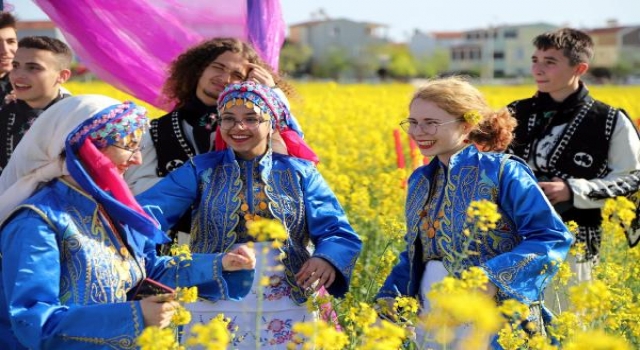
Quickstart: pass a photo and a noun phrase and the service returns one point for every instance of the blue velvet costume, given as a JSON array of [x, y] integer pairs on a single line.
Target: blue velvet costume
[[297, 196], [527, 238]]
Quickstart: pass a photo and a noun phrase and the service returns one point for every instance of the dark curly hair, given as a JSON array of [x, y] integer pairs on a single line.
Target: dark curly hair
[[185, 71]]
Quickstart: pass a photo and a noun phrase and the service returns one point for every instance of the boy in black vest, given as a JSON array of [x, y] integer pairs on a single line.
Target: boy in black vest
[[583, 151], [40, 66]]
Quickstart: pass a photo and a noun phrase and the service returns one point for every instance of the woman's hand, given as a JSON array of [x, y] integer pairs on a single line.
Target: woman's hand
[[556, 191], [316, 270], [157, 310], [240, 258], [260, 75]]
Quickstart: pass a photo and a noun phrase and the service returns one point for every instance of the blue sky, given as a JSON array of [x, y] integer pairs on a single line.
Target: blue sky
[[402, 16]]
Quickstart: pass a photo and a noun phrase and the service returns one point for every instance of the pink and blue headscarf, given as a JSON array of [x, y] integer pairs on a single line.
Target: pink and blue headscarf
[[97, 174], [269, 103]]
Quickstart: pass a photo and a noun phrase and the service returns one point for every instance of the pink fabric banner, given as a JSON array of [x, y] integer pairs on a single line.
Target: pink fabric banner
[[129, 44]]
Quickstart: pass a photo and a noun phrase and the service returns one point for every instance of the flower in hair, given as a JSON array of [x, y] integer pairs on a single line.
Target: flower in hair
[[472, 117]]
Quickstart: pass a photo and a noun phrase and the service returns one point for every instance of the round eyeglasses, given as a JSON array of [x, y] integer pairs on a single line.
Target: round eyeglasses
[[129, 149], [429, 127], [227, 123]]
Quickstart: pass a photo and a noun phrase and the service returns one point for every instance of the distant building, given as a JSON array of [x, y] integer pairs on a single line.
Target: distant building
[[322, 36], [41, 28], [630, 46], [424, 44], [502, 51], [615, 45]]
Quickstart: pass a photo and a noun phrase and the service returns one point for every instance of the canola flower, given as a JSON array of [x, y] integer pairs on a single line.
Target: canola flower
[[318, 335], [472, 117], [181, 252], [187, 295], [449, 300], [181, 316], [484, 214], [596, 340], [211, 336], [267, 230], [154, 338]]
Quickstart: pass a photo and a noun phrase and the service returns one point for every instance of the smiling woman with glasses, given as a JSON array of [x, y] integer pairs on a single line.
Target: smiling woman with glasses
[[427, 126], [450, 120], [251, 123], [246, 183]]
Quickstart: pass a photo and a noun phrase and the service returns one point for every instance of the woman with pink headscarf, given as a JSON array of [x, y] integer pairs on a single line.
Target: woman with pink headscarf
[[248, 182]]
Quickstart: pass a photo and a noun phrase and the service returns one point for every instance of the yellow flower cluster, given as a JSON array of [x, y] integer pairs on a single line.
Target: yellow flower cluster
[[449, 300], [267, 230], [591, 299], [621, 209], [617, 216], [596, 340], [514, 309], [181, 252], [474, 277], [484, 214], [154, 338], [318, 335], [572, 226], [472, 117], [181, 316], [187, 295], [211, 336]]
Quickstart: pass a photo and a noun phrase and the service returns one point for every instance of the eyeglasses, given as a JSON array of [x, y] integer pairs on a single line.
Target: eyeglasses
[[129, 149], [227, 123], [234, 75], [429, 127]]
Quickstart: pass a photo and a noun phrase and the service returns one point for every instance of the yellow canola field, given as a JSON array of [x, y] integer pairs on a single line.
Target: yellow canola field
[[351, 127]]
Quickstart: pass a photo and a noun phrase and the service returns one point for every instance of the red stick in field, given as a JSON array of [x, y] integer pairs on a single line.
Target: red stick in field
[[399, 153]]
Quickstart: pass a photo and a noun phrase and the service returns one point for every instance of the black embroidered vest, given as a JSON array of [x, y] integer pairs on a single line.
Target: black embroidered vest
[[581, 151], [173, 148], [171, 145]]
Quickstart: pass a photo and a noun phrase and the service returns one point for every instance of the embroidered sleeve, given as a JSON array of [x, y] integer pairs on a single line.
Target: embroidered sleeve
[[624, 165], [524, 271], [330, 231]]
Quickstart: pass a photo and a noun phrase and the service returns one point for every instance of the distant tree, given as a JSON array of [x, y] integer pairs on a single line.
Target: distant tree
[[332, 65], [366, 63], [433, 65], [294, 58], [622, 69], [402, 65], [471, 73], [399, 62]]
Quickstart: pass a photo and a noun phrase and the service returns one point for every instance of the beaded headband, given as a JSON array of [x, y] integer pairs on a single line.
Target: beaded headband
[[111, 125]]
